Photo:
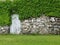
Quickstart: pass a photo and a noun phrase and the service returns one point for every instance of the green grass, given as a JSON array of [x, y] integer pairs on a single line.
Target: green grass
[[29, 39]]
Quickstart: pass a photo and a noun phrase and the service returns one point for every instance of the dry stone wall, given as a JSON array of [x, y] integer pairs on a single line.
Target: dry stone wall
[[4, 29], [40, 25]]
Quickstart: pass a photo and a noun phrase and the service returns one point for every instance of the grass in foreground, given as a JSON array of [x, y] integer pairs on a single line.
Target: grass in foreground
[[29, 39]]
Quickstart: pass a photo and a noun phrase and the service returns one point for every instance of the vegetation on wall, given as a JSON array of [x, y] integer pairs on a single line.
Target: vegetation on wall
[[28, 8]]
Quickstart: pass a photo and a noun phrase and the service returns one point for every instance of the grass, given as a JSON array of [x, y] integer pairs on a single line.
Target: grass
[[29, 39]]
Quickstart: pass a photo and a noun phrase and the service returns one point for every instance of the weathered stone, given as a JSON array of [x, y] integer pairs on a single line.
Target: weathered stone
[[52, 19], [41, 25], [4, 30]]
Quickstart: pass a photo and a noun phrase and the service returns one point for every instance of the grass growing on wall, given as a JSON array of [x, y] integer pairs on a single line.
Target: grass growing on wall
[[28, 8]]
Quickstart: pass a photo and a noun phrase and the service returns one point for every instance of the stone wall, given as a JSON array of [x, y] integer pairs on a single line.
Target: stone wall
[[40, 25], [4, 29]]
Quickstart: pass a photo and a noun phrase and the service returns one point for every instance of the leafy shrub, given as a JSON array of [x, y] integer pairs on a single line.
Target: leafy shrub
[[27, 9]]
